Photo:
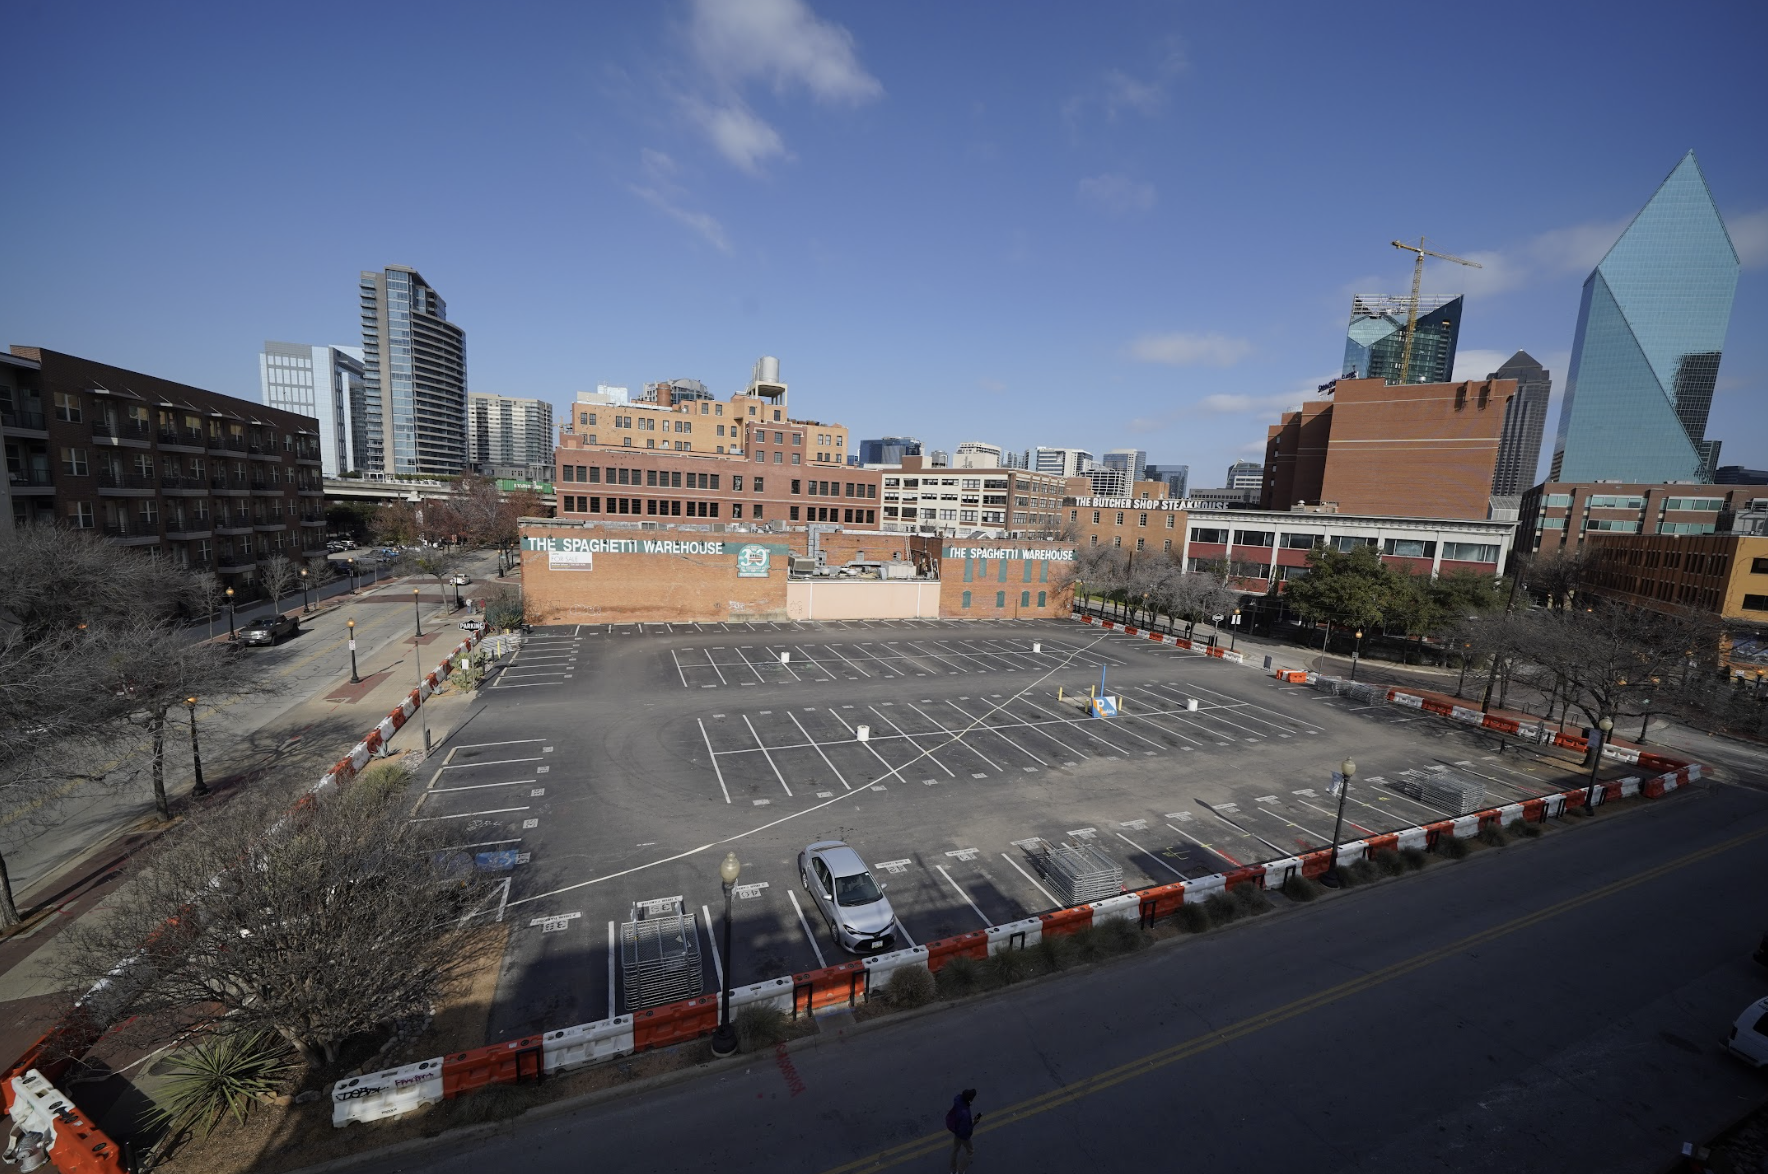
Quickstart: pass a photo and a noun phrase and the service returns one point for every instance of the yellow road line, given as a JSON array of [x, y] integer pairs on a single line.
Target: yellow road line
[[1071, 1094]]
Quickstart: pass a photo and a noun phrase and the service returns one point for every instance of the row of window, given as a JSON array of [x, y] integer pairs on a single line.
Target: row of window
[[653, 508], [1614, 501], [1001, 599], [976, 569]]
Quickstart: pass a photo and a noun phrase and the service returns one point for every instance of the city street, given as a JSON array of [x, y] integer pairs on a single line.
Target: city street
[[1558, 1005]]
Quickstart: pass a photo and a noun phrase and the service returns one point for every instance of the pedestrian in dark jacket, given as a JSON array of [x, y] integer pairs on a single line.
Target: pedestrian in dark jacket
[[962, 1124]]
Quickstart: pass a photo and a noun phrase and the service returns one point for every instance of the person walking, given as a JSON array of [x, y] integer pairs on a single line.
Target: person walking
[[962, 1124]]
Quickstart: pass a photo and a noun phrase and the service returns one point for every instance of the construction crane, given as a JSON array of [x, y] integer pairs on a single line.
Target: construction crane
[[1412, 306]]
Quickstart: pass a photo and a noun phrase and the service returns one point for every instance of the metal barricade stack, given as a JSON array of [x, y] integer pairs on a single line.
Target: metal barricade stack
[[660, 954], [1078, 873], [1442, 789]]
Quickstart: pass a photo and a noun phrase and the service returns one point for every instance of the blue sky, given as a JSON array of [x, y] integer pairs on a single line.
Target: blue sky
[[1101, 225]]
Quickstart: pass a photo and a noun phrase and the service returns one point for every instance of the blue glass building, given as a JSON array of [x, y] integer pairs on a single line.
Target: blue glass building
[[1375, 342], [1651, 328]]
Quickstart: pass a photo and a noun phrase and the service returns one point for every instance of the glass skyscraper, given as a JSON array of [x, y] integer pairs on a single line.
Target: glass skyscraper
[[1376, 340], [1651, 328], [1525, 419], [414, 376]]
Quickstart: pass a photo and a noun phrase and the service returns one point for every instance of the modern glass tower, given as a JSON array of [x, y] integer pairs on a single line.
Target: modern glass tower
[[1651, 327], [324, 382], [1376, 339], [1519, 447], [414, 376]]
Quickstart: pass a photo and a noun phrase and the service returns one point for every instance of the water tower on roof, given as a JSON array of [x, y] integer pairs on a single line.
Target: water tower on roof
[[765, 380]]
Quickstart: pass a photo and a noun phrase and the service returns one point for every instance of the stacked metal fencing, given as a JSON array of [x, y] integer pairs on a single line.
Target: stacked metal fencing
[[1441, 789], [660, 955], [1078, 873]]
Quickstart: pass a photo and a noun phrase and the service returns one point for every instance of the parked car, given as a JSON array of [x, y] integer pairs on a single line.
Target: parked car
[[461, 580], [1749, 1035], [854, 905], [269, 630]]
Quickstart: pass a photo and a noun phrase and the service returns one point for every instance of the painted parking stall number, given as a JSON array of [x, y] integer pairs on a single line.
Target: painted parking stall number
[[963, 854], [895, 867], [553, 923], [749, 892]]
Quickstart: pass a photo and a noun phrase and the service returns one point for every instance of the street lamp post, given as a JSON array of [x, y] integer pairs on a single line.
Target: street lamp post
[[230, 632], [1644, 718], [306, 601], [352, 563], [354, 679], [1234, 630], [417, 614], [1346, 770], [1605, 725], [196, 757], [1356, 653], [724, 1040]]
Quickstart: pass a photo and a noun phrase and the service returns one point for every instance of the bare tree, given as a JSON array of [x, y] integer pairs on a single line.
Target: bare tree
[[322, 923], [442, 564], [278, 575], [54, 579], [206, 593]]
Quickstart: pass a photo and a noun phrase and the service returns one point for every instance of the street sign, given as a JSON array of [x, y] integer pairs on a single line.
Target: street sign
[[1217, 618], [352, 646], [1236, 618], [1337, 782]]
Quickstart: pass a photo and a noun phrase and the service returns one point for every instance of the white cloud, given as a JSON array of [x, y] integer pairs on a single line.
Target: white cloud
[[1118, 91], [780, 43], [1123, 92], [703, 223], [1181, 349], [1118, 194], [1560, 252], [1749, 236], [1221, 404], [1476, 364]]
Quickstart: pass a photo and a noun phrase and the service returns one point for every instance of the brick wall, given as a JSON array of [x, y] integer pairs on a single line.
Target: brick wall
[[985, 585], [650, 576]]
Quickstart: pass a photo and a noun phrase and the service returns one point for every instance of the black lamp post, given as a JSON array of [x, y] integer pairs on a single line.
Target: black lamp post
[[230, 633], [354, 679], [1234, 630], [196, 757], [724, 1040], [352, 565], [1605, 725], [306, 601], [1346, 770], [1356, 653], [417, 614], [456, 594], [1644, 718]]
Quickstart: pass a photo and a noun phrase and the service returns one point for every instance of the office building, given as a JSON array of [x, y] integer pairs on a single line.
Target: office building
[[1724, 575], [1245, 475], [1225, 499], [1017, 460], [1651, 330], [1388, 450], [1558, 515], [1738, 475], [1177, 478], [1128, 461], [1376, 340], [1107, 481], [206, 481], [1519, 445], [1062, 462], [414, 377], [324, 382], [507, 431], [969, 502], [888, 450], [977, 454]]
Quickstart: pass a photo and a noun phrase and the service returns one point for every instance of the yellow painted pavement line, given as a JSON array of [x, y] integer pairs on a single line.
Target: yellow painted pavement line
[[1071, 1094]]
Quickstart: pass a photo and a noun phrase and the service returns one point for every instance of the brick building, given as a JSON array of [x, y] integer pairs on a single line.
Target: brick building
[[1560, 515], [991, 502], [1725, 575], [1375, 449], [209, 481]]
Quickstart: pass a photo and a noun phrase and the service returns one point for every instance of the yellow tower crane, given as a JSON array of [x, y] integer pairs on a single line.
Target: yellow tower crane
[[1412, 306]]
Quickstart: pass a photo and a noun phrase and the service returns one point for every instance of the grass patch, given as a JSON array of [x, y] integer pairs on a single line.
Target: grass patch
[[910, 986], [1452, 847], [1007, 967], [958, 976], [1222, 909], [1414, 858], [383, 779], [1251, 899], [1527, 830], [1360, 873], [1300, 888], [1053, 951], [1122, 936], [1088, 945], [1192, 918], [1388, 862], [1493, 836], [759, 1026]]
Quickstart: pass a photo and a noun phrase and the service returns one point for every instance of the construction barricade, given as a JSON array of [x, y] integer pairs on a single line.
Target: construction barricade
[[506, 1063], [1066, 920], [1125, 907], [1015, 935], [967, 945], [1278, 872], [879, 967], [72, 1144], [1159, 901], [572, 1047], [674, 1023], [386, 1093], [1201, 888], [840, 985]]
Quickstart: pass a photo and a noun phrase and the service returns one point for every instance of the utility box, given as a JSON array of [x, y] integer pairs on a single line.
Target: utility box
[[897, 570]]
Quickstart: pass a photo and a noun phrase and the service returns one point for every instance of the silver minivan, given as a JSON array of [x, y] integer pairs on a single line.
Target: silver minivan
[[854, 905]]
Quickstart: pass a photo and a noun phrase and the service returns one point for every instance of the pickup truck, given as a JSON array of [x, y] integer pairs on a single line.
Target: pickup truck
[[269, 630]]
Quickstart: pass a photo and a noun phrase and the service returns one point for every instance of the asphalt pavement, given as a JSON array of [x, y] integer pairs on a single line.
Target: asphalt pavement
[[1557, 1005]]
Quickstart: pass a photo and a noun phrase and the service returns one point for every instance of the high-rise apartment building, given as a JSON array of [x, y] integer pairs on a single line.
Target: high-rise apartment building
[[1107, 481], [325, 382], [507, 431], [1245, 475], [414, 377], [1177, 478], [977, 454], [1519, 447], [1128, 461], [1062, 462], [1376, 339], [1651, 329], [888, 450]]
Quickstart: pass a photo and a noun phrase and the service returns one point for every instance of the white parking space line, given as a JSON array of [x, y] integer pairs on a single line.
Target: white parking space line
[[910, 739], [1160, 860], [954, 736], [766, 755], [821, 667], [1053, 902], [715, 767], [997, 733], [482, 745], [1227, 700], [1333, 814], [678, 668], [960, 891], [956, 668], [476, 787], [468, 814], [749, 664], [775, 657], [805, 925], [1134, 713], [1079, 727], [1213, 851], [904, 931], [712, 937], [862, 672], [818, 747]]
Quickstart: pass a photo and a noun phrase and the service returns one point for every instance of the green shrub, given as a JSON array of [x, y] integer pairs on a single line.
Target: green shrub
[[1454, 847], [1222, 909], [1122, 936], [910, 986], [1389, 862], [1300, 888], [503, 609], [1360, 873], [958, 975], [223, 1075], [1088, 945], [384, 779], [1413, 858], [1251, 899], [1494, 835], [760, 1025], [1006, 967], [1192, 918], [1053, 952], [1527, 830]]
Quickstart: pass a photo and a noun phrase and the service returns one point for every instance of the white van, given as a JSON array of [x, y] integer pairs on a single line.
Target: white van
[[1749, 1035]]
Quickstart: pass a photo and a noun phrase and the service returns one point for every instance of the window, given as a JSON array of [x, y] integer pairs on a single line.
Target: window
[[1687, 528], [1345, 543], [1710, 505], [776, 457], [626, 441], [1254, 538], [721, 429], [1562, 500], [792, 513], [794, 457], [966, 601], [1750, 602], [1170, 519], [779, 438], [776, 415], [67, 408], [80, 514], [1000, 599], [1609, 501], [568, 476], [650, 443], [1470, 552], [1025, 599], [736, 509], [760, 457], [795, 485], [73, 462], [1141, 516], [755, 510], [1119, 516], [1408, 548], [758, 484], [1167, 545], [1117, 540], [1199, 534], [651, 477], [1140, 542], [797, 438], [1614, 525], [1759, 566], [1552, 523]]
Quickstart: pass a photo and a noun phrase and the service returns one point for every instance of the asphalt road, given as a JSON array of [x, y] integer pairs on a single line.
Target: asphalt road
[[1554, 1006], [40, 839], [704, 741]]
